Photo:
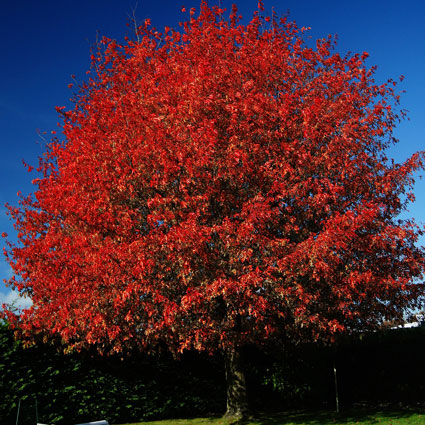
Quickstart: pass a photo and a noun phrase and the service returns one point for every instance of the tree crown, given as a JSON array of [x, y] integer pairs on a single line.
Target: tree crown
[[218, 186]]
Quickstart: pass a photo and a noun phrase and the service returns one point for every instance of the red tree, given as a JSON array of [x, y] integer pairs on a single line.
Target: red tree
[[218, 187]]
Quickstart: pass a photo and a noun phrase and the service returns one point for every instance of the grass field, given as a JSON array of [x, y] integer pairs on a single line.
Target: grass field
[[350, 417]]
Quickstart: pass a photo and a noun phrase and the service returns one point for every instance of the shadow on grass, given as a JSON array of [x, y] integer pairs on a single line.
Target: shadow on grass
[[351, 416]]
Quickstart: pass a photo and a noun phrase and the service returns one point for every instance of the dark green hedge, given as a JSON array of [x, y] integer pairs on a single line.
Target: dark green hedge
[[384, 367], [78, 388], [379, 367], [375, 368]]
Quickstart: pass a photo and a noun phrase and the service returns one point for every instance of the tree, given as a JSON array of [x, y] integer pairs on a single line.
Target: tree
[[220, 186]]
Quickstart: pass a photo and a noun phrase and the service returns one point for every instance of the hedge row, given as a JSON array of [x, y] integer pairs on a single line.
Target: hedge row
[[81, 387], [380, 367]]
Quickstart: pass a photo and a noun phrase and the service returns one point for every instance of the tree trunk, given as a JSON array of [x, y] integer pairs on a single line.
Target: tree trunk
[[237, 402]]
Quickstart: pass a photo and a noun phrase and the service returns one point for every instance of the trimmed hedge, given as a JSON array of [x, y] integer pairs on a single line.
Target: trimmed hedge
[[82, 387], [385, 367], [378, 367]]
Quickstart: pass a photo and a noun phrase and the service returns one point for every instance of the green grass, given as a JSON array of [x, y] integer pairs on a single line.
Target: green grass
[[349, 417]]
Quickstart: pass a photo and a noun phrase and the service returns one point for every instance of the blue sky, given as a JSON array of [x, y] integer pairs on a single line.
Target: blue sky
[[43, 42]]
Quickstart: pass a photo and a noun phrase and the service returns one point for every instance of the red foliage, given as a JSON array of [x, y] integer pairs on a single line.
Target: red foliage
[[215, 187]]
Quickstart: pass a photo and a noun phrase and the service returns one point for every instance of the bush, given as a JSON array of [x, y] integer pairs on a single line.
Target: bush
[[85, 387], [378, 367]]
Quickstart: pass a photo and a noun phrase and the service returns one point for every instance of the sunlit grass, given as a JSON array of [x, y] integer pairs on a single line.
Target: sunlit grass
[[350, 417]]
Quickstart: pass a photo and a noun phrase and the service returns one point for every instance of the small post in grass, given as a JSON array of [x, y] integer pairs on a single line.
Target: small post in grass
[[19, 408], [336, 390]]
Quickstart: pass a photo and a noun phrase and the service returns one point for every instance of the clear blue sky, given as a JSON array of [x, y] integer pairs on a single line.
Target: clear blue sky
[[43, 42]]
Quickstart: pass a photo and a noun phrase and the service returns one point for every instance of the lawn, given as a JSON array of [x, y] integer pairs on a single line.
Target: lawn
[[350, 417]]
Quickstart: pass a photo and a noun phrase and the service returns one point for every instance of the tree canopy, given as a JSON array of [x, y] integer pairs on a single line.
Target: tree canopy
[[215, 186]]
